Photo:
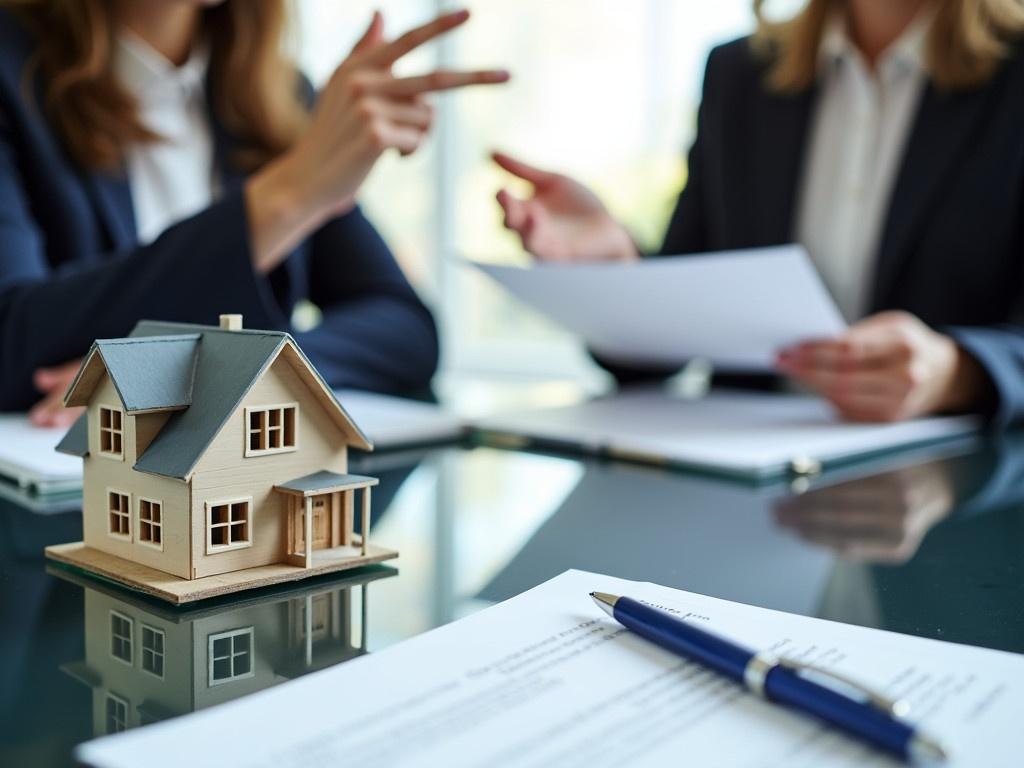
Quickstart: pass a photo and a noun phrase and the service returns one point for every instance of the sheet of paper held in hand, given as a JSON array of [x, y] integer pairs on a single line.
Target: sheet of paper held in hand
[[547, 679], [736, 309]]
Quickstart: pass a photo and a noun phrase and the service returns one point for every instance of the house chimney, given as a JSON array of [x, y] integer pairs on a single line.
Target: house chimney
[[231, 322]]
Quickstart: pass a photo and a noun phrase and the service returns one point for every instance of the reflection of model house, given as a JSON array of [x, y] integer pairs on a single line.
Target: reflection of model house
[[213, 452], [146, 663]]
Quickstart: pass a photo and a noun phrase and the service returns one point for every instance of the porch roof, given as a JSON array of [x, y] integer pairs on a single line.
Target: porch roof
[[325, 482]]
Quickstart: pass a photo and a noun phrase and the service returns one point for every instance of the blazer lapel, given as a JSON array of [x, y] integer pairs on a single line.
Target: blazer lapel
[[944, 123], [112, 197], [780, 131]]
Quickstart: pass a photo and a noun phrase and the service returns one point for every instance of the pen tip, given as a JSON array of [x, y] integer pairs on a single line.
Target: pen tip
[[605, 601]]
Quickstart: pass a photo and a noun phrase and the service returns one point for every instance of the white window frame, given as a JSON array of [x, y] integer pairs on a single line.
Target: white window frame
[[130, 661], [114, 455], [211, 548], [139, 521], [106, 714], [250, 631], [266, 428], [127, 515], [144, 628]]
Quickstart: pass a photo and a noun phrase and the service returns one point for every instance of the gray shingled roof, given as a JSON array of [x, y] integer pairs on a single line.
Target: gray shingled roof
[[324, 481], [227, 364], [76, 441], [151, 373]]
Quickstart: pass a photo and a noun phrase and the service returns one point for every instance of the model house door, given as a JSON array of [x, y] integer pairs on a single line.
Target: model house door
[[321, 521]]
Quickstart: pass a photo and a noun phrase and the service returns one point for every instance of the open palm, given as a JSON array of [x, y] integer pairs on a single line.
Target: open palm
[[563, 220]]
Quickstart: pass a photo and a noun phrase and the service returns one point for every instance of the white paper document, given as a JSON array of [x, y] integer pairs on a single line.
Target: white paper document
[[732, 432], [390, 422], [547, 679], [736, 309], [28, 458]]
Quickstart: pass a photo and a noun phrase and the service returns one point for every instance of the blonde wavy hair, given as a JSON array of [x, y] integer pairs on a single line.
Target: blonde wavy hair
[[966, 43], [254, 88]]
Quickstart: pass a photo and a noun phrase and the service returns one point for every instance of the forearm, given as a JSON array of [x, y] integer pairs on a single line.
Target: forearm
[[999, 355], [381, 343], [281, 212]]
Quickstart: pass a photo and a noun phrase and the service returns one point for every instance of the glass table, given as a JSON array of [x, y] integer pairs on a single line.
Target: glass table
[[929, 543]]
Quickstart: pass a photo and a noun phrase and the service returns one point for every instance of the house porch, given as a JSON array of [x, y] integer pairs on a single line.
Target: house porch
[[320, 518]]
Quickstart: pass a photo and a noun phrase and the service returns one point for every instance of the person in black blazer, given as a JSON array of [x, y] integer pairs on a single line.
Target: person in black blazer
[[281, 225], [940, 327]]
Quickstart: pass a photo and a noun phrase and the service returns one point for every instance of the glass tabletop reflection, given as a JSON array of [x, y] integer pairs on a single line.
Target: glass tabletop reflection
[[928, 543]]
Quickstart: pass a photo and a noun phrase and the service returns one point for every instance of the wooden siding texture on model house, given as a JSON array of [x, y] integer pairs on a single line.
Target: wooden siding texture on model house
[[224, 473], [102, 473]]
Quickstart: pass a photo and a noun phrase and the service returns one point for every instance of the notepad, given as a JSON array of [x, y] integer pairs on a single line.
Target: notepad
[[736, 308], [547, 679], [744, 434], [28, 458], [393, 422]]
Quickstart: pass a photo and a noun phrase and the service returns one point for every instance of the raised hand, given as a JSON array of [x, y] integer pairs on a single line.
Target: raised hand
[[563, 220], [362, 112]]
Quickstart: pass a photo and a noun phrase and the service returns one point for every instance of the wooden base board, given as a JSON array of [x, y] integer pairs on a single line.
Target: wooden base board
[[178, 591]]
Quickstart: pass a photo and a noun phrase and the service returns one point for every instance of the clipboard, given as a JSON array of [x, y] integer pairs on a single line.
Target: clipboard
[[754, 436]]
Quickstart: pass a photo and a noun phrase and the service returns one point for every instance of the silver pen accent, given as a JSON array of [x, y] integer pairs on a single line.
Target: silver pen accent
[[605, 602]]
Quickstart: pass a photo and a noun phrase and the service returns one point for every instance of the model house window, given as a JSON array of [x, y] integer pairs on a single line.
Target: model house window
[[151, 526], [119, 514], [271, 429], [111, 432], [117, 714], [121, 637], [227, 525], [153, 650], [231, 655]]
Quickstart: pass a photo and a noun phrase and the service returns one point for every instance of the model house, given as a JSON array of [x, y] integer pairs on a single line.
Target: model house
[[144, 663], [215, 459]]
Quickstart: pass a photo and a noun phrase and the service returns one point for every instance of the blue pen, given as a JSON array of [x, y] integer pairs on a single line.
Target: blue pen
[[830, 697]]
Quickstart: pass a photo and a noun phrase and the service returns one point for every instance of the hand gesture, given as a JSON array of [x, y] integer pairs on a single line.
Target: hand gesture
[[563, 220], [362, 112]]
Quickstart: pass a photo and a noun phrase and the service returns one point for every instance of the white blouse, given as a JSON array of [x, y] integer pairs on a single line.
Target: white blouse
[[860, 128], [172, 179]]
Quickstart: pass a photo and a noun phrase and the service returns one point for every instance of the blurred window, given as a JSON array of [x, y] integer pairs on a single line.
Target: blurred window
[[603, 90]]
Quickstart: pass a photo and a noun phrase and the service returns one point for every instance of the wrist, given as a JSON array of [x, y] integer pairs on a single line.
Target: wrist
[[967, 382], [282, 211]]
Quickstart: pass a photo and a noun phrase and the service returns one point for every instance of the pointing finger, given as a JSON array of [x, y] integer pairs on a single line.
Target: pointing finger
[[534, 175], [388, 54], [439, 80]]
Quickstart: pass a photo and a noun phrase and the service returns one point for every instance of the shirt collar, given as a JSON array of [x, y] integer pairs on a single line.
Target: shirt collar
[[152, 79], [907, 52]]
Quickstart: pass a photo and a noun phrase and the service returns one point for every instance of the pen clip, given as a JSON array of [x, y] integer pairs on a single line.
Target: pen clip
[[844, 685]]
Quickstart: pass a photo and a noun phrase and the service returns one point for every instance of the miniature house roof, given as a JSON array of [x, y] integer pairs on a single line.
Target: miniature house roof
[[150, 374], [213, 369], [324, 482]]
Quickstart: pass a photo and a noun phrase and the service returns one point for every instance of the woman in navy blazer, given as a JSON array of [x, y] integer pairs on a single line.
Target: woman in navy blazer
[[941, 329], [282, 227]]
